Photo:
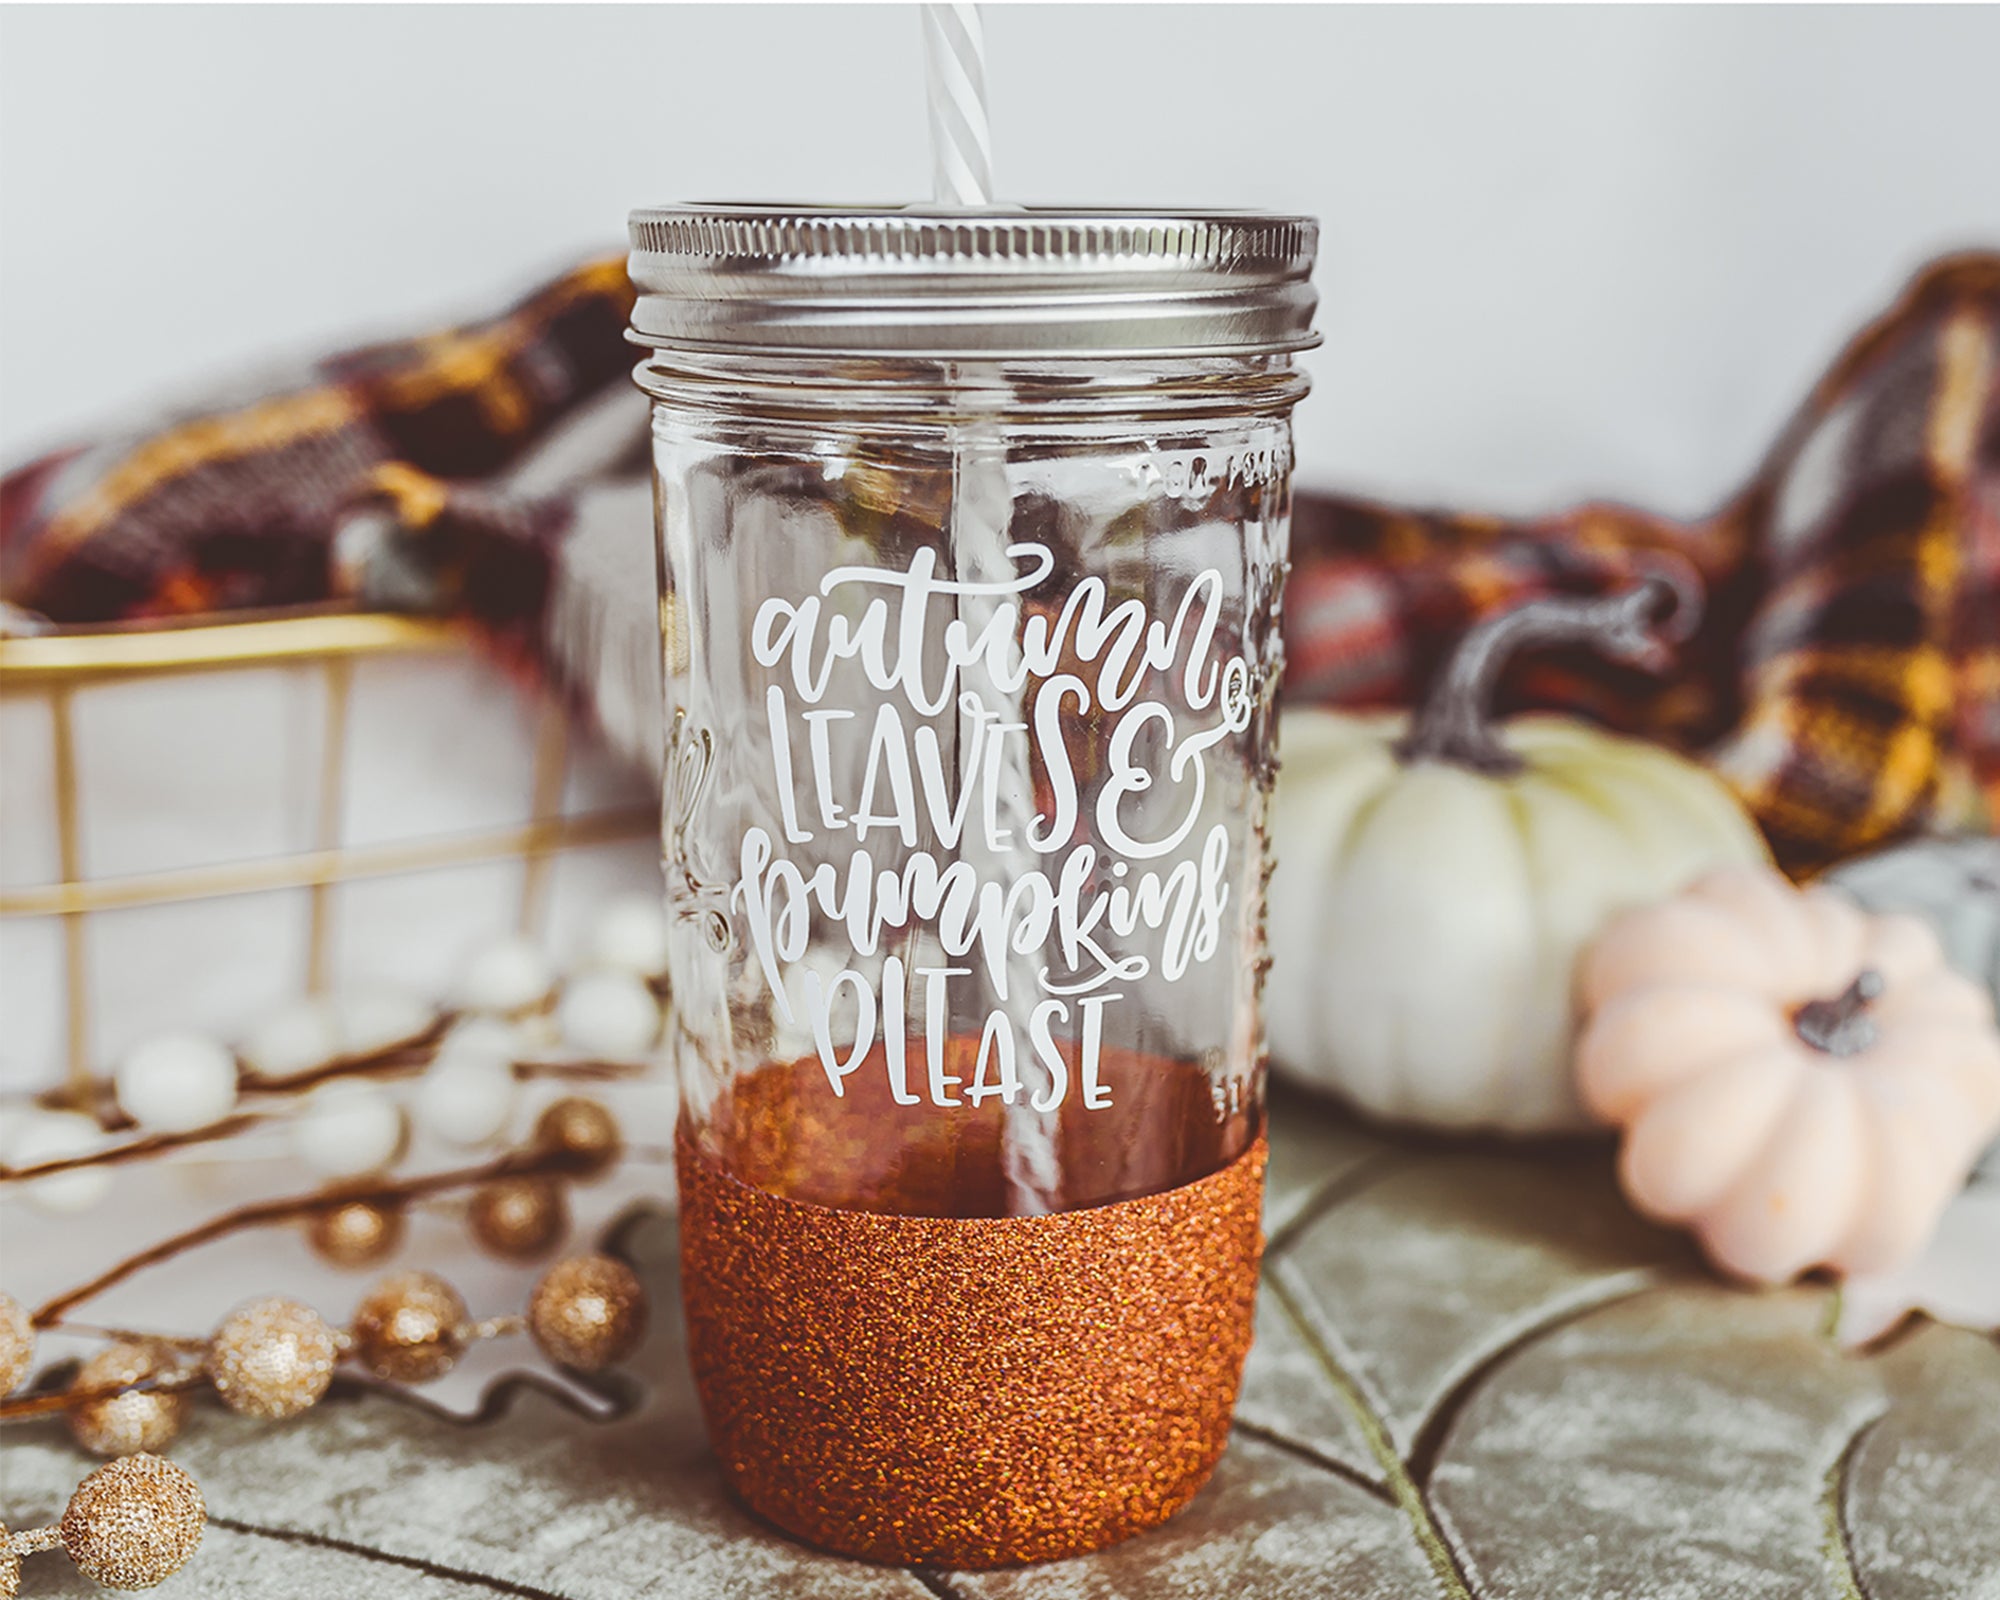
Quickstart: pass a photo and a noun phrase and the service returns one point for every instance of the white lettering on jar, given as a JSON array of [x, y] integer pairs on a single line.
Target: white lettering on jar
[[1154, 873]]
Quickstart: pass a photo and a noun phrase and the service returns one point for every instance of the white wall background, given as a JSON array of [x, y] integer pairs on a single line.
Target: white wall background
[[1567, 252]]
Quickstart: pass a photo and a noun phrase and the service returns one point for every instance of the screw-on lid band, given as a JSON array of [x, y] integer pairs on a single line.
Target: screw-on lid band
[[947, 284]]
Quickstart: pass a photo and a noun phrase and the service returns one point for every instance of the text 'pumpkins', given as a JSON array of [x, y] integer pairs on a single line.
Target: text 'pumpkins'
[[1437, 876]]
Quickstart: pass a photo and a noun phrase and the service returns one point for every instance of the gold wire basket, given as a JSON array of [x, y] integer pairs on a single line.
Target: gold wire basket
[[60, 881]]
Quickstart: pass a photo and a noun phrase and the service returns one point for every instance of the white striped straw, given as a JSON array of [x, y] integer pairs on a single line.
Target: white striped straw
[[982, 505], [961, 138]]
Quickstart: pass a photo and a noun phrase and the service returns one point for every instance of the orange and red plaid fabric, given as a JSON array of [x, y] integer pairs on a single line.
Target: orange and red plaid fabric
[[1846, 677], [234, 507], [1845, 680]]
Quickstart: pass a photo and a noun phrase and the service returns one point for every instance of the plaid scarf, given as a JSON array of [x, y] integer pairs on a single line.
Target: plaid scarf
[[1845, 680]]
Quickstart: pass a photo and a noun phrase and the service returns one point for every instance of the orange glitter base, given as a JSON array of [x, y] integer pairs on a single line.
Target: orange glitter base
[[969, 1391]]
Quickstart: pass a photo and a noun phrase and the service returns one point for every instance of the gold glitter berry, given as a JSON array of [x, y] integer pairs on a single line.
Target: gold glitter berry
[[356, 1233], [124, 1424], [969, 1391], [411, 1327], [519, 1219], [272, 1359], [588, 1312], [17, 1345], [133, 1523], [581, 1134]]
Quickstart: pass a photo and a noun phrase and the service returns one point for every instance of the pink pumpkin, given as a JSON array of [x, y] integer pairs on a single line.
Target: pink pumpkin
[[1799, 1083]]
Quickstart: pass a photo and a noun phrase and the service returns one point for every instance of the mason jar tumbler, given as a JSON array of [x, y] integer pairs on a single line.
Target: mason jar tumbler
[[972, 530]]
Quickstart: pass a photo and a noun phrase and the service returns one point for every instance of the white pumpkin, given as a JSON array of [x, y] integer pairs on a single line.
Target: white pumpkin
[[1435, 882]]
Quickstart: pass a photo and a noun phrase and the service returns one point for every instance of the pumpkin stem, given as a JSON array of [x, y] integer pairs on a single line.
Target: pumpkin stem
[[1455, 723], [1841, 1026]]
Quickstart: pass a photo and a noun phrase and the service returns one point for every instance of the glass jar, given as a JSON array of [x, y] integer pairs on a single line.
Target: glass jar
[[972, 529]]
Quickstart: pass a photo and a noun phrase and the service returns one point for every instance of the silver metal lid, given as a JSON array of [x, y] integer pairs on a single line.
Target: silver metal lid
[[1008, 282]]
